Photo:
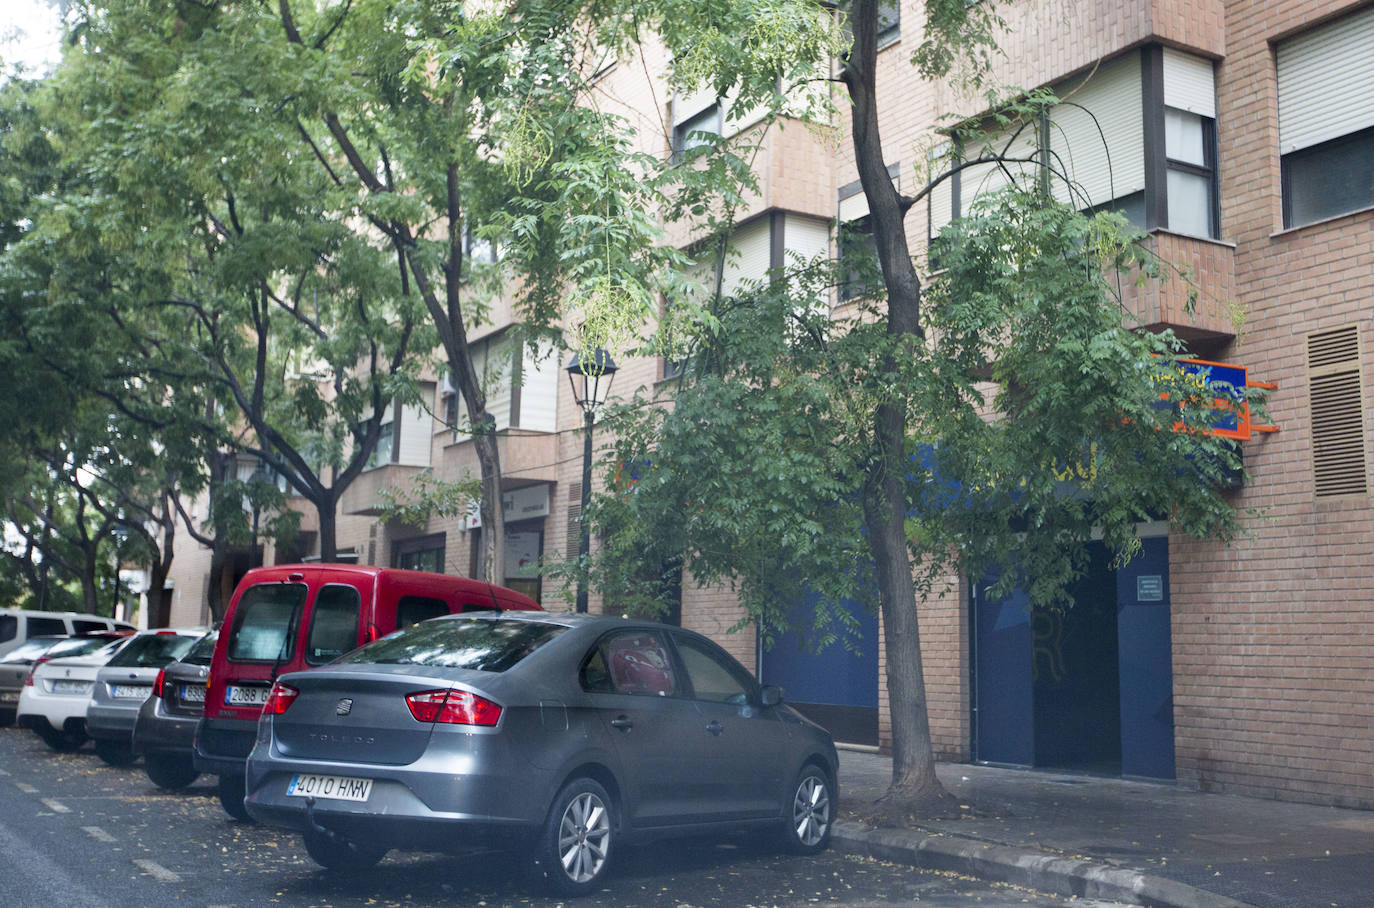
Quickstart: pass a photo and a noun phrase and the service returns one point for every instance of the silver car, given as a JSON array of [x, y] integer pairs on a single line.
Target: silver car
[[562, 735], [124, 683]]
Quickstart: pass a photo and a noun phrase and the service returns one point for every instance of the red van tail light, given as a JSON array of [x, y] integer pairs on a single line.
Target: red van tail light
[[453, 707], [160, 683], [280, 699]]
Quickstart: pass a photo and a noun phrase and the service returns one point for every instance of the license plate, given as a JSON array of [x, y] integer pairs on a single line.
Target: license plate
[[246, 696], [337, 788], [193, 693], [9, 696], [71, 687], [131, 692]]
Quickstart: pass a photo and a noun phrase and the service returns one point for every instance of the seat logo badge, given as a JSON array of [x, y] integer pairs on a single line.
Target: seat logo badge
[[344, 708]]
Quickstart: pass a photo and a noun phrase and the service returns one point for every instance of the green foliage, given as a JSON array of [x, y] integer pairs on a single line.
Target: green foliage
[[1036, 419]]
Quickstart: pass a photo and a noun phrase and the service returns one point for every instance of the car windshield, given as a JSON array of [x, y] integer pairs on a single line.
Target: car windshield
[[153, 651], [265, 622], [482, 644], [202, 650]]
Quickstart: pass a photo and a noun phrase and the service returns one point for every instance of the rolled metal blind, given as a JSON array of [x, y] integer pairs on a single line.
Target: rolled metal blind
[[1326, 82]]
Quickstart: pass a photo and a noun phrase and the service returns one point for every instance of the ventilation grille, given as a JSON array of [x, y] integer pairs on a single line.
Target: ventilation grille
[[574, 540], [1334, 391]]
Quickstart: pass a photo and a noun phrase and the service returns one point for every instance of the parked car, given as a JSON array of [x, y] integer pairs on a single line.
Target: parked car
[[18, 625], [295, 617], [165, 730], [57, 691], [124, 683], [18, 662], [561, 734]]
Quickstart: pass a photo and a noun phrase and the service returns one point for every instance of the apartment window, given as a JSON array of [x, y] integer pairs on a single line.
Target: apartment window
[[696, 131], [1136, 135], [479, 250], [1326, 120], [859, 275], [889, 22], [1190, 180], [385, 451]]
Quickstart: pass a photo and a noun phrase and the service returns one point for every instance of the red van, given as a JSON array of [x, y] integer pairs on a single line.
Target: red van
[[296, 616]]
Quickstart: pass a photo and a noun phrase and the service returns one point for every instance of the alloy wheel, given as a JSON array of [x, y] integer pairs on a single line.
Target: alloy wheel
[[583, 836]]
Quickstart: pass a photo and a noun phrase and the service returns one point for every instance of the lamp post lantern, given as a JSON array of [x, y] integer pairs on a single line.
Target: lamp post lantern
[[590, 376]]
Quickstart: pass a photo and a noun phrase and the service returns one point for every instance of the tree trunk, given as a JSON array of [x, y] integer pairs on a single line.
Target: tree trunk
[[914, 784], [327, 507]]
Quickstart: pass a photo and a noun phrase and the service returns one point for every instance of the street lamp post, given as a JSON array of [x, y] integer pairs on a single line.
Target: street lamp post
[[590, 376]]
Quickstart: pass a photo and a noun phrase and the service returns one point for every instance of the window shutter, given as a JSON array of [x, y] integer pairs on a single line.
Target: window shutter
[[1334, 393], [574, 526], [1326, 82], [1188, 84], [1103, 153]]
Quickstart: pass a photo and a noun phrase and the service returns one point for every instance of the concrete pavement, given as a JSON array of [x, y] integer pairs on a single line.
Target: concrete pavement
[[1135, 842]]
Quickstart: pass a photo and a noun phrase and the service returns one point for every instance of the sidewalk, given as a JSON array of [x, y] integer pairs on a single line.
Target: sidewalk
[[1134, 842]]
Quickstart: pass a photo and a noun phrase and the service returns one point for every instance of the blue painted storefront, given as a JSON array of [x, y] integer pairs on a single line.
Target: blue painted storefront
[[1088, 689]]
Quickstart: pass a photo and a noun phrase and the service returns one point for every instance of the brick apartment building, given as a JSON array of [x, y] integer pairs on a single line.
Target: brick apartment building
[[1240, 136]]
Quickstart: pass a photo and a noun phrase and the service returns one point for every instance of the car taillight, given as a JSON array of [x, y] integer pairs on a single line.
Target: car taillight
[[159, 682], [453, 707], [28, 679], [280, 699]]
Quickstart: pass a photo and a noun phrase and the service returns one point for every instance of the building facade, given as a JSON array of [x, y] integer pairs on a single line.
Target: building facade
[[1240, 136]]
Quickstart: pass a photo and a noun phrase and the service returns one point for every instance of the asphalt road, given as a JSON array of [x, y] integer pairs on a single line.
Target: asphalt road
[[76, 833]]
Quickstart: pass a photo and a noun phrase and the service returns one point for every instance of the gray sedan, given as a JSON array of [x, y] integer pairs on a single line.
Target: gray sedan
[[562, 735]]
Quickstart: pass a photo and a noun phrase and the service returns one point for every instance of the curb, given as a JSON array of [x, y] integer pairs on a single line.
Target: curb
[[1024, 867]]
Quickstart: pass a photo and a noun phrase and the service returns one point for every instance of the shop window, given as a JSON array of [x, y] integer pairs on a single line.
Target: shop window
[[424, 554]]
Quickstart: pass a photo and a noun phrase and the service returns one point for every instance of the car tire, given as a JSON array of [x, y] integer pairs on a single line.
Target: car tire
[[114, 753], [231, 794], [810, 812], [575, 848], [170, 771], [339, 854]]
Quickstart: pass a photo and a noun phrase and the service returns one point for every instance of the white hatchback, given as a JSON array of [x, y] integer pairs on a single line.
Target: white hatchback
[[56, 693]]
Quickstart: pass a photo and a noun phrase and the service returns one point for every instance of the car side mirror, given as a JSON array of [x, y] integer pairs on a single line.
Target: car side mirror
[[771, 695]]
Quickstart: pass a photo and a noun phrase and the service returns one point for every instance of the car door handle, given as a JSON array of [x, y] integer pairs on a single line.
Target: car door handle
[[714, 728], [624, 723]]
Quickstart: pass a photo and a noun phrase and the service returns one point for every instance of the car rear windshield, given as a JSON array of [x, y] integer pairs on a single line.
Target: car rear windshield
[[266, 621], [153, 651], [481, 644], [202, 651], [28, 651]]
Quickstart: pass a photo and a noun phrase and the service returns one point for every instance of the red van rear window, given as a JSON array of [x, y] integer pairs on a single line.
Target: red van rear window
[[265, 622]]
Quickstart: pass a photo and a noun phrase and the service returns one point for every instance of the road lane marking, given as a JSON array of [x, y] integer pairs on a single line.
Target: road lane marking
[[157, 871], [56, 806], [99, 834], [26, 788]]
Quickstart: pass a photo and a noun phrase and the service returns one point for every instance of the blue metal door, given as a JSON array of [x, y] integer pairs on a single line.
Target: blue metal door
[[1147, 678], [836, 688], [1003, 718]]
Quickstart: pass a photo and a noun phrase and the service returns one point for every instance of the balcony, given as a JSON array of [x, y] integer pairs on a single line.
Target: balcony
[[1210, 266], [363, 495], [526, 456]]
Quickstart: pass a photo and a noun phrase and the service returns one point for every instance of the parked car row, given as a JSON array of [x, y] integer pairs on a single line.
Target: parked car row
[[466, 717]]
